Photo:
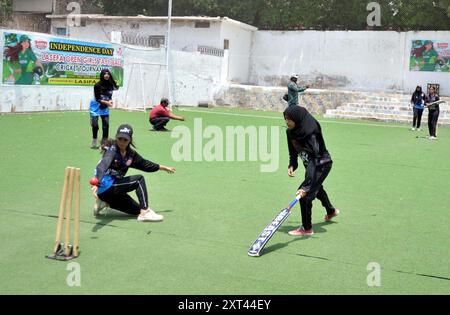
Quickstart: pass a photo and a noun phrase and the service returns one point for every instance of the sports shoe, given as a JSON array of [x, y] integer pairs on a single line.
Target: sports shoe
[[418, 129], [94, 144], [99, 206], [432, 138], [150, 216], [413, 128], [328, 217], [301, 232]]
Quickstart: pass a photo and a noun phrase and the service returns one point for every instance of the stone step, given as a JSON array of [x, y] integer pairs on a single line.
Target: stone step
[[442, 114], [379, 117], [406, 106], [384, 105], [373, 110], [387, 100], [388, 110]]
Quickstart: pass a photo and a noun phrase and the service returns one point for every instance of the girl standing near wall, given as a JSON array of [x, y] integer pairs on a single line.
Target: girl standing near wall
[[418, 103], [100, 105], [433, 112]]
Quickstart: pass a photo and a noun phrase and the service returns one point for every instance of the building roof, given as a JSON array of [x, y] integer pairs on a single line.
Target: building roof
[[99, 17]]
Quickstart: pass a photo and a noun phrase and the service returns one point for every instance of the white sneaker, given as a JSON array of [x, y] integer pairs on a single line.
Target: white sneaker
[[150, 216], [99, 206], [418, 129], [413, 128], [432, 138]]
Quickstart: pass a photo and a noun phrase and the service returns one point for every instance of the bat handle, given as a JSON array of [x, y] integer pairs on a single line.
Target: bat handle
[[294, 202]]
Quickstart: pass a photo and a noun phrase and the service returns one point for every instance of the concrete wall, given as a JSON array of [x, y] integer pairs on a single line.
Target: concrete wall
[[36, 22], [240, 41], [145, 78], [184, 37], [366, 60], [195, 78], [42, 6]]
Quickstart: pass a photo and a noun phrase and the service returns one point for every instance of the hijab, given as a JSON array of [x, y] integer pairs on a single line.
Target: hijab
[[305, 123], [107, 84], [418, 90]]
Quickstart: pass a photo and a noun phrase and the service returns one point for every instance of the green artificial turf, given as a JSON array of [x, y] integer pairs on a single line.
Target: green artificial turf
[[391, 187]]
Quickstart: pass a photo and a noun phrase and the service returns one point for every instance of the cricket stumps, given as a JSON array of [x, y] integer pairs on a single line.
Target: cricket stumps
[[71, 190]]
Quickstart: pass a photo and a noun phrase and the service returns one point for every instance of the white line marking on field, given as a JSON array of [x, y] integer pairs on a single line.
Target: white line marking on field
[[279, 118]]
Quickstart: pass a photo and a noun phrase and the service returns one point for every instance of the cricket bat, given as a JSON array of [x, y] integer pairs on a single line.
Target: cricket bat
[[434, 103], [270, 230]]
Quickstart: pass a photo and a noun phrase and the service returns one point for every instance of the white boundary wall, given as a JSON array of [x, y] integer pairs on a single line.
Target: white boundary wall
[[352, 60], [364, 61], [195, 78]]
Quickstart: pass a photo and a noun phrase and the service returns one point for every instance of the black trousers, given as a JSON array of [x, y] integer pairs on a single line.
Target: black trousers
[[159, 123], [105, 126], [417, 117], [117, 195], [316, 191], [433, 116]]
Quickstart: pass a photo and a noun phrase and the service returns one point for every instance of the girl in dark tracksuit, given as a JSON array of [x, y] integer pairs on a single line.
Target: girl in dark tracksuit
[[418, 103], [304, 137], [114, 186], [99, 106], [433, 113]]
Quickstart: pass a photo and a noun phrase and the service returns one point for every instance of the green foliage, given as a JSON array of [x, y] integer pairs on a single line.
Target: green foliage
[[397, 15], [5, 10]]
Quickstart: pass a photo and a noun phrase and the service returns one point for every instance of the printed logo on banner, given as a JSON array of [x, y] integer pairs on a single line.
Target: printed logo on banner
[[40, 44]]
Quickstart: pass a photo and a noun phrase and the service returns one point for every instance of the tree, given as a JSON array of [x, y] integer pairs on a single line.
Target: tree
[[417, 14], [5, 10], [298, 14]]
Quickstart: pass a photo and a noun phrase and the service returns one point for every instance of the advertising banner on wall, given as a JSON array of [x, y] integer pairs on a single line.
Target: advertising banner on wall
[[40, 59], [430, 55]]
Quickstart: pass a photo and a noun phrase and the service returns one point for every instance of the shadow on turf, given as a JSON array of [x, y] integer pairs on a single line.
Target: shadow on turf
[[318, 228], [113, 215]]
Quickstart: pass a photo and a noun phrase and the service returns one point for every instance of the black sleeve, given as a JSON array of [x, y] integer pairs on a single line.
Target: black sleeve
[[144, 165], [293, 155], [105, 163], [97, 93]]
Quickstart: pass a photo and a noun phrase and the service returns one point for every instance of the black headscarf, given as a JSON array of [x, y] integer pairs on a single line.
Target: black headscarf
[[305, 123], [418, 90], [107, 84]]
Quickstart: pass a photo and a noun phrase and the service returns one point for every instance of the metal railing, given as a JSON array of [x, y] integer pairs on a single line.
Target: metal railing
[[210, 51]]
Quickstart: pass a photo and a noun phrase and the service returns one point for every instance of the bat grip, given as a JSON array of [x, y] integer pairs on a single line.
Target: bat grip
[[294, 202]]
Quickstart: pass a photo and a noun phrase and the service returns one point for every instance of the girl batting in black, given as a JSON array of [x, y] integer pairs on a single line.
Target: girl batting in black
[[113, 186], [304, 136]]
